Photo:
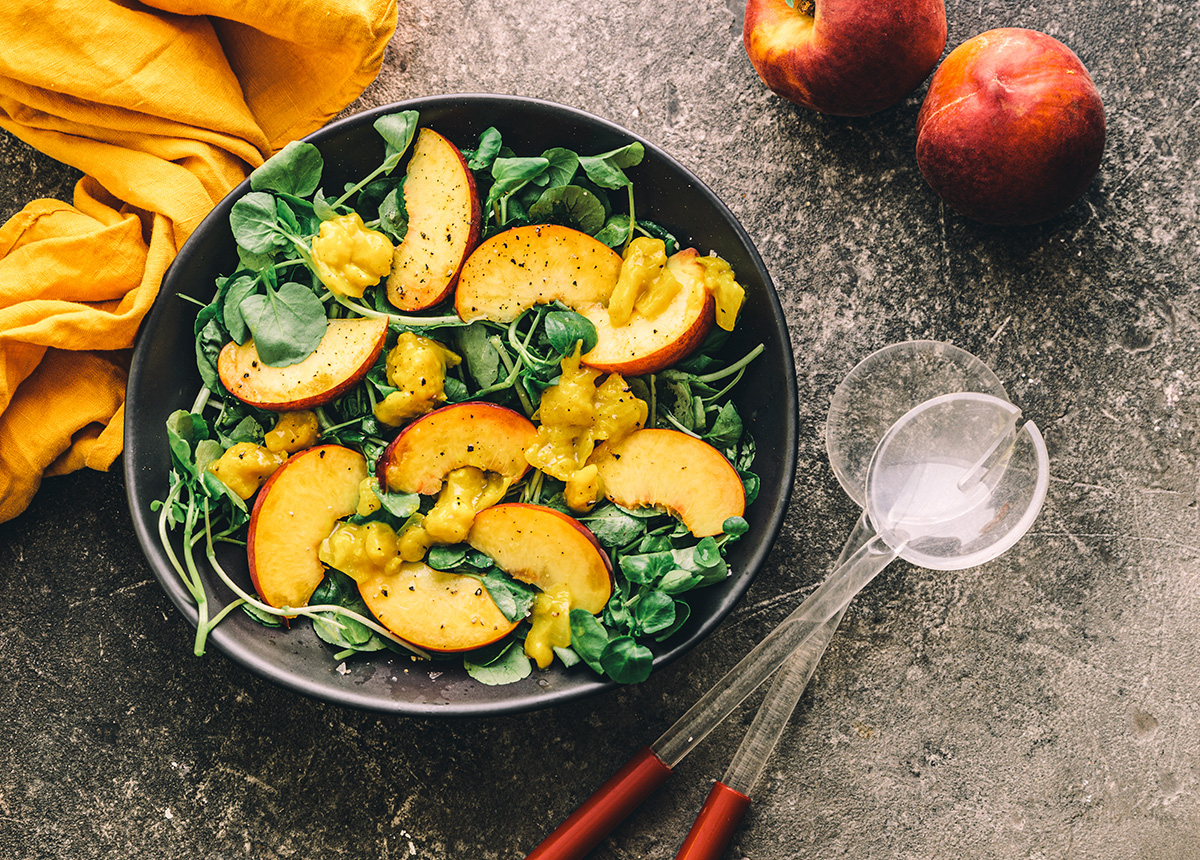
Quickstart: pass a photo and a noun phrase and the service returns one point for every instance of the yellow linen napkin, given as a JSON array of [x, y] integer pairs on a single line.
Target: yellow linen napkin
[[164, 106]]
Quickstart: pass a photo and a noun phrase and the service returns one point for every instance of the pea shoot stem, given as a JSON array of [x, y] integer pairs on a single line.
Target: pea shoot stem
[[399, 319], [733, 368]]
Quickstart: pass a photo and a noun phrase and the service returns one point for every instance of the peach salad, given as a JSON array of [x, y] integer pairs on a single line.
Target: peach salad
[[473, 408]]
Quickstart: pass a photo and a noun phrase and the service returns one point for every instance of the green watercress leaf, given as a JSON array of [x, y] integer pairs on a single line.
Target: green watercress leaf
[[570, 206], [588, 638], [646, 568], [474, 344], [613, 526], [626, 661], [393, 217], [447, 558], [510, 667], [514, 599], [338, 589], [482, 156], [563, 164], [726, 429], [615, 232], [566, 328], [295, 169], [655, 612], [397, 131], [210, 338], [735, 527], [606, 169], [287, 324], [235, 292], [255, 225], [678, 581]]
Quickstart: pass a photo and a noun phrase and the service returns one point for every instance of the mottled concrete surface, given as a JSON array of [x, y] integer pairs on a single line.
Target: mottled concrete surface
[[1044, 707]]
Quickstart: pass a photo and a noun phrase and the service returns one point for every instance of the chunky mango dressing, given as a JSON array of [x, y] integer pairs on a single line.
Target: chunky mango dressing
[[466, 492], [416, 366], [244, 467], [361, 551], [368, 501], [293, 431], [728, 293], [646, 286], [349, 256], [549, 626], [644, 283], [575, 415]]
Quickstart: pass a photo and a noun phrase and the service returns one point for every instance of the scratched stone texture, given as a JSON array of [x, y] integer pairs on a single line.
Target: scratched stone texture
[[1045, 706]]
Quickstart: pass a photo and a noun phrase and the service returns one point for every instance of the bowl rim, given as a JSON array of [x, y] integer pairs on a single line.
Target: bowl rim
[[219, 637]]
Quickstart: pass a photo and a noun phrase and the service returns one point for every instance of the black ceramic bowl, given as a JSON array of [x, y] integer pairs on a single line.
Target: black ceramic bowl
[[163, 378]]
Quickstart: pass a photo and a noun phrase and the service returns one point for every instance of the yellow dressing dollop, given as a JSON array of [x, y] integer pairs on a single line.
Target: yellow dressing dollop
[[293, 431], [726, 291], [549, 626], [349, 256], [575, 415], [643, 263], [368, 500], [361, 551], [414, 540], [467, 491], [417, 367], [244, 467]]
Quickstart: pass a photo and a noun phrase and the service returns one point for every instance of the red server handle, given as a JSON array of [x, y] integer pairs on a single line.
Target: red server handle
[[609, 806], [714, 826]]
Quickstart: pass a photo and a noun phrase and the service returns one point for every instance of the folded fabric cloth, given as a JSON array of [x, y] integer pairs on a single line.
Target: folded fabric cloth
[[164, 106]]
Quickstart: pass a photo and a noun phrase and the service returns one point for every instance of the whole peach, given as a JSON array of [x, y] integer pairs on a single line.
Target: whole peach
[[1012, 129], [844, 57]]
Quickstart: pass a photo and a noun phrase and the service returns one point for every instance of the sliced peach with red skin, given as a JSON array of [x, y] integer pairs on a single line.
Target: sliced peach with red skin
[[649, 344], [545, 548], [534, 265], [295, 510], [674, 471], [444, 220], [343, 357], [435, 610], [489, 437]]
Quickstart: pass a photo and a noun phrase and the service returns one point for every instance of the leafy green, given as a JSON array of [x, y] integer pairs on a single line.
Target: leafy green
[[393, 217], [564, 329], [511, 666], [295, 169], [254, 220], [397, 131], [606, 169], [571, 206], [513, 598], [626, 661], [338, 630], [287, 323]]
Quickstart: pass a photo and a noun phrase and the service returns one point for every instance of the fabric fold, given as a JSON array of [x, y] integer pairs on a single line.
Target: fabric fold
[[164, 106]]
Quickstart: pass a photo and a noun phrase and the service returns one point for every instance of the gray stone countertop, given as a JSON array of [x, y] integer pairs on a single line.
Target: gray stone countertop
[[1045, 706]]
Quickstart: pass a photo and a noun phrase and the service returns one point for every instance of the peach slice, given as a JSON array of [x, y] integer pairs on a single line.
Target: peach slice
[[444, 220], [296, 509], [648, 344], [340, 361], [434, 610], [526, 266], [543, 547], [484, 435], [675, 471]]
